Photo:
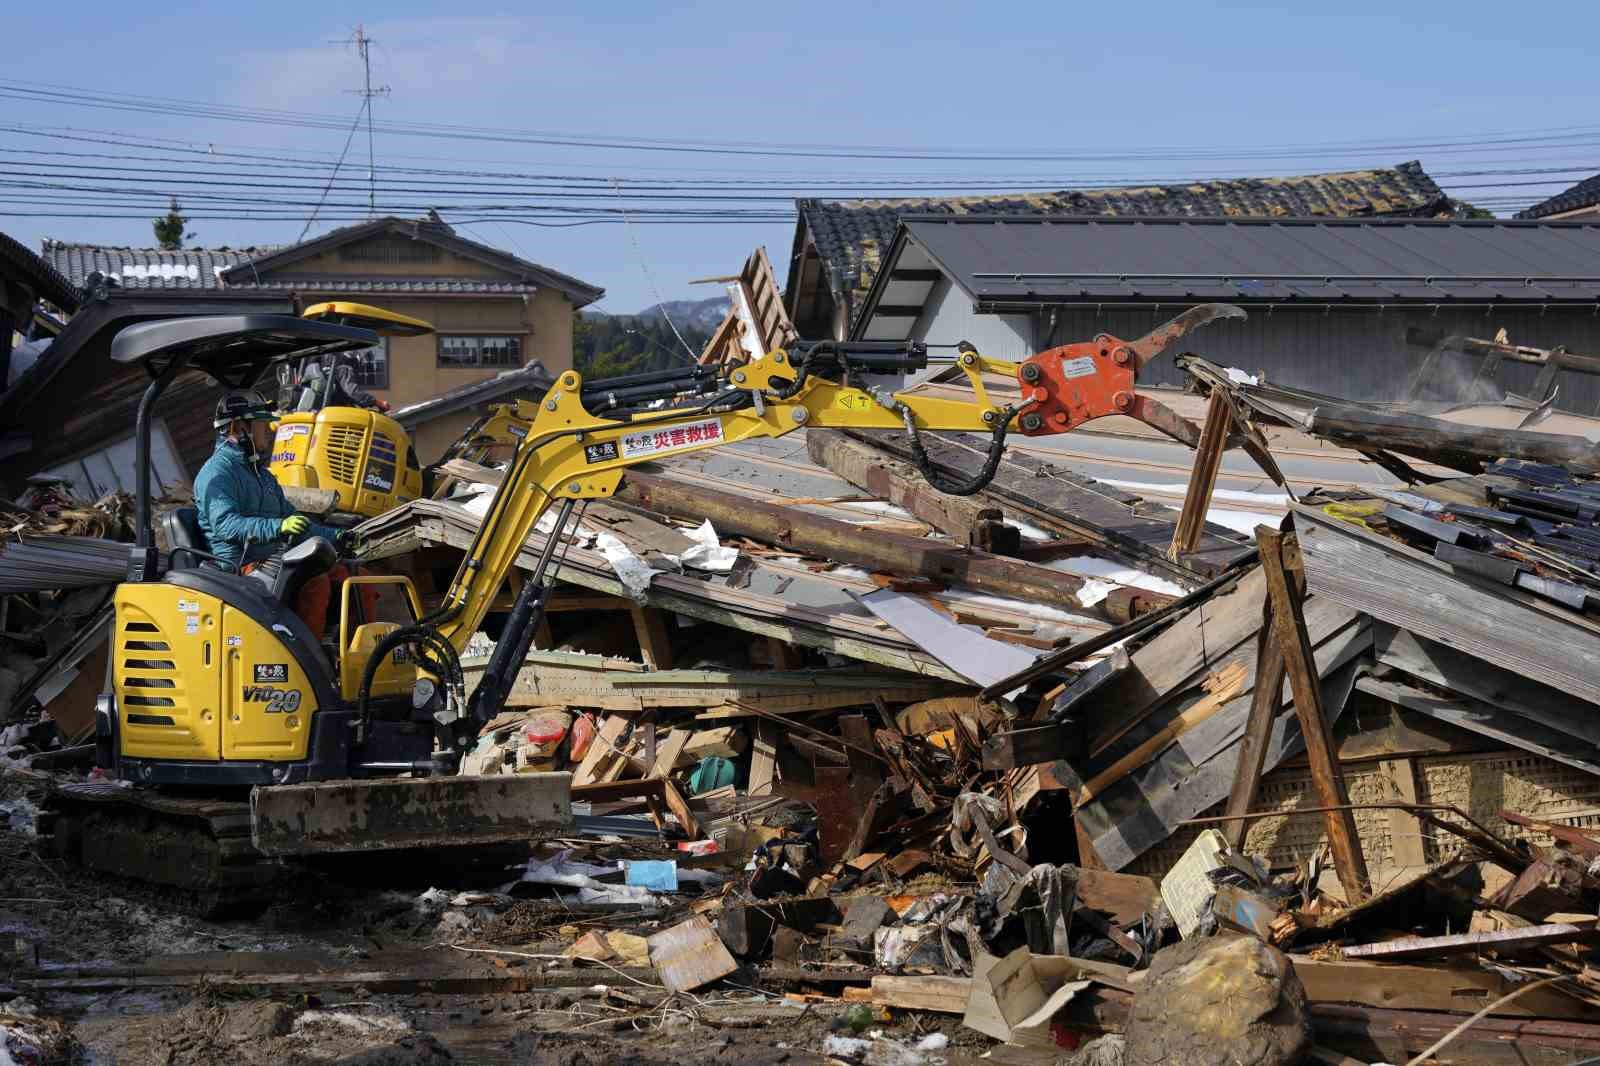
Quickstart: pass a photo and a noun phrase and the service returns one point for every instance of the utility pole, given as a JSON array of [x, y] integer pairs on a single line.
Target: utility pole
[[367, 92]]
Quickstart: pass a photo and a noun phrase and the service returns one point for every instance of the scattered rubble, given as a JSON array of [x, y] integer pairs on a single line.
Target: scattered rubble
[[1328, 790]]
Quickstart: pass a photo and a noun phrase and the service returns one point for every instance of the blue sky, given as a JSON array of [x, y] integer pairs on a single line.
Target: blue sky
[[1165, 90]]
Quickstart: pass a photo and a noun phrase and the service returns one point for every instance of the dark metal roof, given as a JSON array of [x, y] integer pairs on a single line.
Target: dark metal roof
[[1021, 261], [45, 280], [852, 236], [219, 341], [1584, 194]]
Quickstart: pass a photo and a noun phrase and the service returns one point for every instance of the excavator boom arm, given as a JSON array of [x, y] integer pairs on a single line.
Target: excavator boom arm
[[569, 453]]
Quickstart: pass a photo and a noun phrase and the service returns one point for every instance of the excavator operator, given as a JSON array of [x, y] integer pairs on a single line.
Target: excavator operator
[[338, 379], [243, 511]]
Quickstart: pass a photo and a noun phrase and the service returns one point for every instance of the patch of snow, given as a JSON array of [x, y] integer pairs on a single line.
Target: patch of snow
[[1093, 566], [876, 507], [1261, 499], [1242, 521], [1030, 532], [1095, 590], [164, 271]]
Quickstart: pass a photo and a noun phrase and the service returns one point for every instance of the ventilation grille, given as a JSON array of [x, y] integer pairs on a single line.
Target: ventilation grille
[[151, 691], [344, 448]]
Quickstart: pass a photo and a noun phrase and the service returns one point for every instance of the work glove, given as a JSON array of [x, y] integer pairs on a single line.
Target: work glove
[[345, 542], [383, 405], [295, 525]]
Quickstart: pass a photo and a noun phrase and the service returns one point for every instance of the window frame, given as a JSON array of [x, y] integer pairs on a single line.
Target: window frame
[[518, 361], [382, 347]]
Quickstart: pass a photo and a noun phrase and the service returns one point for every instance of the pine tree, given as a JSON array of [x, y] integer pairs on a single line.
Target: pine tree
[[169, 229]]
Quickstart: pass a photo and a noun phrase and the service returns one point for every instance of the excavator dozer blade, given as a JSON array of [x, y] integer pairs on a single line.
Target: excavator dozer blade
[[381, 814]]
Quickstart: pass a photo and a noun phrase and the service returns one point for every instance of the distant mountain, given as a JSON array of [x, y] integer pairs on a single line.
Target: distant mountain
[[703, 316], [606, 346]]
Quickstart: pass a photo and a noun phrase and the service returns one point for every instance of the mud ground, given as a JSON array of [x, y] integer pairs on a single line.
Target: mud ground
[[56, 919]]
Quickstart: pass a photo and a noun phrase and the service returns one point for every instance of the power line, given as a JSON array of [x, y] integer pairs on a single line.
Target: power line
[[365, 106], [650, 278], [1521, 141]]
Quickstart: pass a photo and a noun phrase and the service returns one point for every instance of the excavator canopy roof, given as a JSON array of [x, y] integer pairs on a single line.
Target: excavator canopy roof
[[234, 349], [383, 321]]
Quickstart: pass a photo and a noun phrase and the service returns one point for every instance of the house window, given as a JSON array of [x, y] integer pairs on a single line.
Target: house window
[[476, 349], [372, 365]]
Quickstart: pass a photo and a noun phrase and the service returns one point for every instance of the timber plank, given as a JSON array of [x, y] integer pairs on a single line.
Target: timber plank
[[1399, 986], [1441, 665], [1400, 585], [600, 754], [1289, 627], [764, 759], [1124, 525], [946, 995], [1146, 808]]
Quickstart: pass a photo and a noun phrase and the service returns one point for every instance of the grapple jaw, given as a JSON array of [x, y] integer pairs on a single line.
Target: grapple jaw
[[1066, 386]]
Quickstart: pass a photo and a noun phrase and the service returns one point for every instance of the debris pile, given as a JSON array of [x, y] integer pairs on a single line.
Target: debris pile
[[1052, 770]]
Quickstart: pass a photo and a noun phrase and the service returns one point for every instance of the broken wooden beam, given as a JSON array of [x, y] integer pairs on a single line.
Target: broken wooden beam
[[1220, 689], [1289, 628], [1203, 475], [946, 995], [1532, 936], [962, 518], [846, 542], [1257, 730]]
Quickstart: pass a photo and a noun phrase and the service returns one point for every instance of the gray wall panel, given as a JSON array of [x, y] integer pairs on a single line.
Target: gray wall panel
[[1354, 354]]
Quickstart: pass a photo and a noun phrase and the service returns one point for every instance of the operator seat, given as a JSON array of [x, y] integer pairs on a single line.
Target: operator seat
[[284, 573], [186, 538]]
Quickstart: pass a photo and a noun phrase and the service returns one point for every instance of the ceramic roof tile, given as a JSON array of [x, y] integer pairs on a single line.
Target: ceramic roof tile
[[1584, 194], [851, 235]]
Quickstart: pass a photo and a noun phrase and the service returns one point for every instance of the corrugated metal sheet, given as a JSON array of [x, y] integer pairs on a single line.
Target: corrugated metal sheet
[[1014, 261]]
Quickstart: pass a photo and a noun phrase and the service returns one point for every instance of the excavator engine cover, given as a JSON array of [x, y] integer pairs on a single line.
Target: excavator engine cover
[[364, 456]]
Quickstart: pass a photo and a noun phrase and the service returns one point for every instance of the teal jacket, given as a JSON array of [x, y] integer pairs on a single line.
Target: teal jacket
[[239, 500]]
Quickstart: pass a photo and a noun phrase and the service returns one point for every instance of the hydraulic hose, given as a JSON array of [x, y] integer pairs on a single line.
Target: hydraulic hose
[[950, 486]]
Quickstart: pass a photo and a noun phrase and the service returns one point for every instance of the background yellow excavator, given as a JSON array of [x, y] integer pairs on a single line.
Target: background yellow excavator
[[359, 453], [216, 685]]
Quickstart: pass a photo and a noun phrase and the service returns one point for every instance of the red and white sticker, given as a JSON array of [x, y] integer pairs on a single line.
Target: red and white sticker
[[673, 439]]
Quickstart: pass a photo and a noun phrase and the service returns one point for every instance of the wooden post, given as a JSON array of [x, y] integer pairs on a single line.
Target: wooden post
[[650, 625], [1203, 478], [1258, 728], [1289, 626], [1404, 831]]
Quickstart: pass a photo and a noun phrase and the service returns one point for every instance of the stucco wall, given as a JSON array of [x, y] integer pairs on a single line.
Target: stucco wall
[[543, 319]]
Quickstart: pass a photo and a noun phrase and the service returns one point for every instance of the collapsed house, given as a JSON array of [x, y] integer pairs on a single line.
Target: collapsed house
[[1032, 758]]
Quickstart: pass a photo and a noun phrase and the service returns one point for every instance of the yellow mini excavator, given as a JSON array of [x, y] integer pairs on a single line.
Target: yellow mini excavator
[[218, 691], [361, 454]]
